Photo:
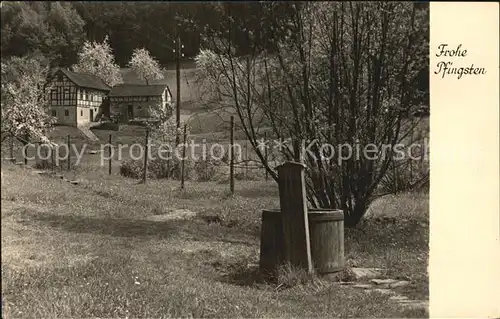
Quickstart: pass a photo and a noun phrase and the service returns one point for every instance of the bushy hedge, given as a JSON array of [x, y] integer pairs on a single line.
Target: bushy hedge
[[44, 164], [157, 169], [199, 170]]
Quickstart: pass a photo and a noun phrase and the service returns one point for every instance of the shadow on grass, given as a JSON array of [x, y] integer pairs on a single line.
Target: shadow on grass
[[196, 230], [244, 275], [109, 226], [399, 245], [378, 234]]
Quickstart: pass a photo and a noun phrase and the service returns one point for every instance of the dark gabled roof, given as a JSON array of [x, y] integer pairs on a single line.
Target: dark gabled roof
[[85, 80], [138, 90]]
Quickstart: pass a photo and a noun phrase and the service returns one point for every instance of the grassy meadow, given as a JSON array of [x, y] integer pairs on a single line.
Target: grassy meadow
[[99, 249]]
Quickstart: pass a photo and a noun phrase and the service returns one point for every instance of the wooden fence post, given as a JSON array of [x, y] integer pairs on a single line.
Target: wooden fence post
[[246, 159], [183, 157], [109, 155], [205, 163], [410, 157], [12, 149], [69, 152], [52, 157], [231, 160], [37, 158], [293, 205], [266, 156], [145, 168], [168, 163]]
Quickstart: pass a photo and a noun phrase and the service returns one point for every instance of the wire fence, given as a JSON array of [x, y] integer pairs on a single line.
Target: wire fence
[[67, 154], [239, 161]]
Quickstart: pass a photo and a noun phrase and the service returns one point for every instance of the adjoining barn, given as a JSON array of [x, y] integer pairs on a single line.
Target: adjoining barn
[[133, 101], [76, 98]]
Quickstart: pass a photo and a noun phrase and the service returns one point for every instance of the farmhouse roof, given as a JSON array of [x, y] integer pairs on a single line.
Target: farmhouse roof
[[138, 90], [86, 80]]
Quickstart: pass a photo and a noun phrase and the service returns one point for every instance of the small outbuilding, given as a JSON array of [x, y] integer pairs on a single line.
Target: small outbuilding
[[133, 101]]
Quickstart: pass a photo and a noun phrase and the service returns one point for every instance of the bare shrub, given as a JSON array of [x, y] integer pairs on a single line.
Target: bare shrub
[[131, 168], [158, 169], [209, 169], [344, 74], [405, 176]]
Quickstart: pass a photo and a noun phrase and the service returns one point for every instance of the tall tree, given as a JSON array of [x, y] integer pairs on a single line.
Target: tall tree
[[55, 29], [97, 59], [156, 25], [24, 30], [66, 27], [145, 66]]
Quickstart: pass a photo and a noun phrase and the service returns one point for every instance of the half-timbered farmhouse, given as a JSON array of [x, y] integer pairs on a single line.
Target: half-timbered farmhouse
[[133, 102], [76, 98]]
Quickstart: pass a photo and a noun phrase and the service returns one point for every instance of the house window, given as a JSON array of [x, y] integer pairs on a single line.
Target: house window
[[53, 94], [54, 113], [91, 97], [66, 94], [81, 112], [86, 95], [81, 94], [66, 112]]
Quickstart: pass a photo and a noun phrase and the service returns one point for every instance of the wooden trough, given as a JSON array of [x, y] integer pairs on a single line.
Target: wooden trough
[[326, 233]]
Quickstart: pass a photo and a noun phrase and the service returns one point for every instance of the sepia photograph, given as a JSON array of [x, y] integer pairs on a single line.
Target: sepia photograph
[[217, 159]]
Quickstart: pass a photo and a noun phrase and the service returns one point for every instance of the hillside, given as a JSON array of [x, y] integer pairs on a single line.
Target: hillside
[[188, 88]]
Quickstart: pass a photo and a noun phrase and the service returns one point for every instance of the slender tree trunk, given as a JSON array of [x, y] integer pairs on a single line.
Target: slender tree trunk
[[25, 153]]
